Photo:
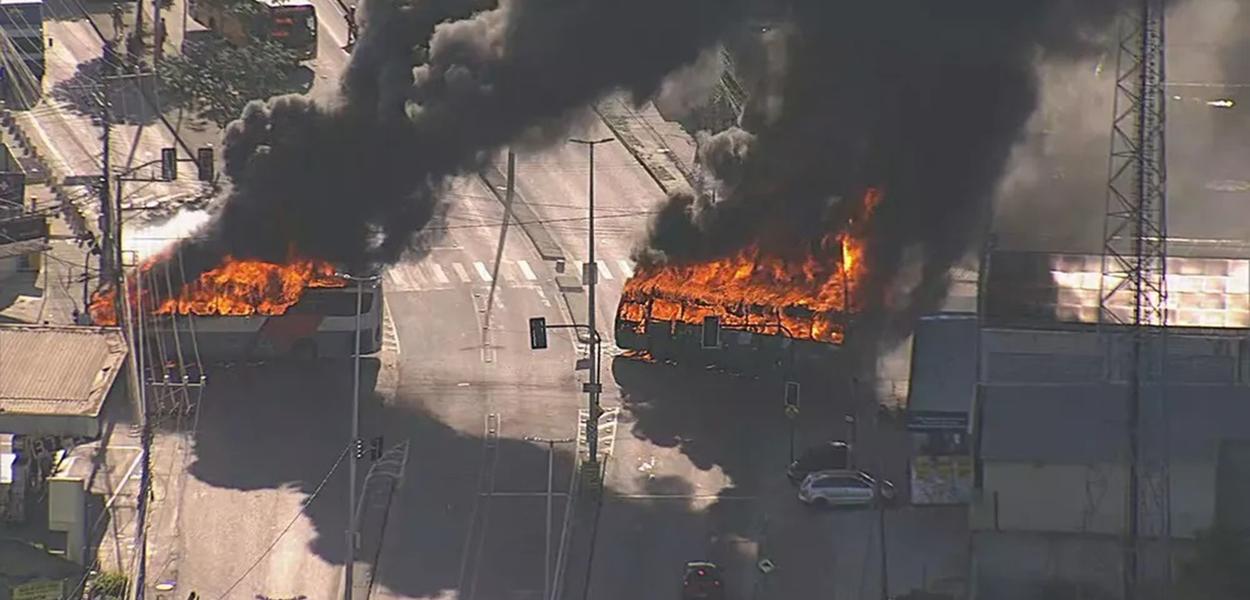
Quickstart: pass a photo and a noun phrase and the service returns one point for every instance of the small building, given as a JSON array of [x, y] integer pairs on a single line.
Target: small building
[[56, 379], [21, 22], [1050, 421]]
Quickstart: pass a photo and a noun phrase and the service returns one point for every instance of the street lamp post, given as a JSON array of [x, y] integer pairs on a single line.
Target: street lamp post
[[592, 277], [351, 463], [551, 446]]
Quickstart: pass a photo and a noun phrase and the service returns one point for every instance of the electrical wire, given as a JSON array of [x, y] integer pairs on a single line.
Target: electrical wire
[[290, 524]]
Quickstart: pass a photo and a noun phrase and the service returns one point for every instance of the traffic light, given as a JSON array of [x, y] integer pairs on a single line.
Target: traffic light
[[169, 164], [375, 448], [204, 163], [360, 449], [711, 332], [538, 333], [792, 394]]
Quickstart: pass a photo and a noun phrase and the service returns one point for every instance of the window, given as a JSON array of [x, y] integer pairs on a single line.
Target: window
[[331, 303]]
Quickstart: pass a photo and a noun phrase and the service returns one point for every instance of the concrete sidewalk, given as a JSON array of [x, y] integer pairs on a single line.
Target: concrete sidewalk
[[663, 148]]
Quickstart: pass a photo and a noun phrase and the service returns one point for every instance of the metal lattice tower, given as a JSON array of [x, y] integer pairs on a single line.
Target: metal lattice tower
[[1133, 296]]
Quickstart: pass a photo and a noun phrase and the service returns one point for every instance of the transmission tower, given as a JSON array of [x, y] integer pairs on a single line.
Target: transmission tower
[[1133, 297]]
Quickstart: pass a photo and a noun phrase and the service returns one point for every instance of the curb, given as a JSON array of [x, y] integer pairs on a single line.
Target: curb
[[659, 173], [570, 287], [524, 214]]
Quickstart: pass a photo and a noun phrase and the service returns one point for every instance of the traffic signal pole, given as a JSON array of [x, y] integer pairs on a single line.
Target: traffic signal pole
[[591, 275]]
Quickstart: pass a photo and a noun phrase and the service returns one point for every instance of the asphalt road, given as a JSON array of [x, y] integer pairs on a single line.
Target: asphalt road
[[697, 459], [66, 123]]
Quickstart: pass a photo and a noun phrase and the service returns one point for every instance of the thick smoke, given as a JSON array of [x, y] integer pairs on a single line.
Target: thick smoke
[[1058, 175], [433, 89], [922, 99]]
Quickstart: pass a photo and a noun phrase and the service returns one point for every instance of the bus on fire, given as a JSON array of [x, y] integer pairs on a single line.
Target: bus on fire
[[321, 324]]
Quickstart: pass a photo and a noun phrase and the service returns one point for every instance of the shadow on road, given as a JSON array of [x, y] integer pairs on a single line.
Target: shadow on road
[[273, 426], [82, 94]]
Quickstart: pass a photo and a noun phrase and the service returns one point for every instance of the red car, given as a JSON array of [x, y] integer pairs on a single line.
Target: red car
[[702, 582]]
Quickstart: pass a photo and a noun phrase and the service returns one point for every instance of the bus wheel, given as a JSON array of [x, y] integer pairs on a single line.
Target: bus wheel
[[304, 350]]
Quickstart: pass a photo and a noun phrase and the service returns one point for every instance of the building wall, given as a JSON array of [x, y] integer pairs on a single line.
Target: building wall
[[1041, 497], [1076, 356]]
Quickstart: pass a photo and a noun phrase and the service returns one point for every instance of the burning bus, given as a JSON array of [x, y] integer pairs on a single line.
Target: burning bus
[[770, 309], [250, 310]]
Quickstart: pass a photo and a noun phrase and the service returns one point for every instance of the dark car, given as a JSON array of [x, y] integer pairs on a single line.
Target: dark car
[[829, 456], [702, 581]]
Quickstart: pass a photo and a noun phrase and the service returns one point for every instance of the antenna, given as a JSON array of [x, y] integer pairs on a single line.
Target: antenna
[[1133, 290]]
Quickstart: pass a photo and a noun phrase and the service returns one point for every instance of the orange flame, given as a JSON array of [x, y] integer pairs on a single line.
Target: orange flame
[[236, 288], [805, 298]]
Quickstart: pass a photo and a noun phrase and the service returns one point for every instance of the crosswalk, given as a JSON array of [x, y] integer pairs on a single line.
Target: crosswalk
[[434, 274]]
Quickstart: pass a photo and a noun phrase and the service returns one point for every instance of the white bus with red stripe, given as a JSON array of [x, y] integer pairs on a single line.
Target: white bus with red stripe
[[322, 324]]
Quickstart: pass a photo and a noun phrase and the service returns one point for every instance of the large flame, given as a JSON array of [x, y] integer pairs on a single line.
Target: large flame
[[236, 288], [805, 296]]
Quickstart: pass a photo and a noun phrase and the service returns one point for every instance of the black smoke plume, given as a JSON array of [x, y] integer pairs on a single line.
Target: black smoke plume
[[922, 99], [434, 88]]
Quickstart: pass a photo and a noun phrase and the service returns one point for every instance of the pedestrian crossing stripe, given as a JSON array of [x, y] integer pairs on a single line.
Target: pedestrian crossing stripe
[[438, 273], [464, 275], [481, 271], [431, 275], [526, 270]]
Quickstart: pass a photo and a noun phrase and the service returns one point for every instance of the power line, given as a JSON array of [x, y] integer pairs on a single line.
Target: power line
[[289, 524]]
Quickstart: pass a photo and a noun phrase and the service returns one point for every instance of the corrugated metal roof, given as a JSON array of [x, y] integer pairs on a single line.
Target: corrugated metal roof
[[1202, 292], [1085, 423], [58, 370]]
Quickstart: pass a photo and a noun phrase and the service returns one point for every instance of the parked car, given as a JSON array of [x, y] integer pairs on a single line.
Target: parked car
[[829, 456], [843, 488], [702, 581]]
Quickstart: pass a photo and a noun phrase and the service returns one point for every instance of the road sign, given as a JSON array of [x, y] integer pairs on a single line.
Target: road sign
[[792, 411], [766, 566], [39, 590]]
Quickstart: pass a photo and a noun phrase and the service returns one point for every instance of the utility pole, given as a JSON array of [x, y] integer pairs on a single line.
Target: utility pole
[[352, 541], [591, 275], [158, 32], [885, 572], [551, 446], [503, 236], [107, 251]]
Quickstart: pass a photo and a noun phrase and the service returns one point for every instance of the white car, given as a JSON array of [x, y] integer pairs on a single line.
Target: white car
[[843, 488]]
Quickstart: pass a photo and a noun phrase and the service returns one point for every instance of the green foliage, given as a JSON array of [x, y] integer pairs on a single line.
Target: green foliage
[[220, 81], [1220, 570], [109, 585]]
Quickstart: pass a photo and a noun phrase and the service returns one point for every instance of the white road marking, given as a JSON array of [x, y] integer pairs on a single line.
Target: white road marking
[[403, 279], [603, 270], [481, 271], [526, 270], [626, 267], [438, 273], [460, 272]]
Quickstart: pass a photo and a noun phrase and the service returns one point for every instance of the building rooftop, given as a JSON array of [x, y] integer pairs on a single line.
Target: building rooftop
[[1041, 287], [1085, 423], [58, 370]]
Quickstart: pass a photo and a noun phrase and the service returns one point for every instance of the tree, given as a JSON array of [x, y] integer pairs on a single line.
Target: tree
[[109, 585], [1220, 568], [220, 81]]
